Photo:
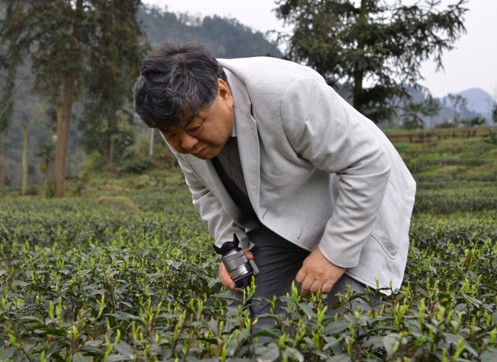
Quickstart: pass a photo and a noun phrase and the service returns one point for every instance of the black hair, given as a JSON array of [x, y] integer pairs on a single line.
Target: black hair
[[175, 83]]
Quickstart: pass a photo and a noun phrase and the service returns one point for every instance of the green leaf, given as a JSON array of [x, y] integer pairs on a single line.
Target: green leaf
[[7, 353], [53, 331], [389, 342], [126, 317], [31, 319], [125, 349], [488, 355], [307, 310], [454, 339], [267, 353], [117, 357], [78, 357], [339, 358]]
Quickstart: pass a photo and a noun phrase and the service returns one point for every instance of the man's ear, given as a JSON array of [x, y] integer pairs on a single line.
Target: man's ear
[[224, 91]]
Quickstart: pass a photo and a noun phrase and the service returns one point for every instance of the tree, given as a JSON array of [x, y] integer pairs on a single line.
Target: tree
[[459, 103], [431, 108], [46, 151], [473, 121], [412, 112], [63, 39], [8, 63], [106, 122], [25, 141], [375, 49], [411, 116]]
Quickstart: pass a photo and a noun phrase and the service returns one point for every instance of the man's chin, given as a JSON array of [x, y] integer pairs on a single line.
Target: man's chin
[[205, 154]]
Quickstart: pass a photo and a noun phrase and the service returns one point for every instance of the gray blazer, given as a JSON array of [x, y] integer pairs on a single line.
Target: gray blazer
[[318, 173]]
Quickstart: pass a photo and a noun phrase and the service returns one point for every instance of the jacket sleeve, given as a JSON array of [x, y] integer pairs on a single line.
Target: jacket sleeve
[[326, 131], [219, 223]]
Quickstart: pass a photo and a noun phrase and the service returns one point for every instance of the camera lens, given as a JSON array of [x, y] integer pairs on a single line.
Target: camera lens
[[237, 265]]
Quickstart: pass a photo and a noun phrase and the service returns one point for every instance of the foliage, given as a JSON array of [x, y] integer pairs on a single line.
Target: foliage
[[73, 47], [383, 44], [458, 103], [492, 137], [122, 274], [494, 113], [473, 122], [104, 83], [453, 174], [447, 124], [107, 122], [412, 112], [224, 37], [137, 165]]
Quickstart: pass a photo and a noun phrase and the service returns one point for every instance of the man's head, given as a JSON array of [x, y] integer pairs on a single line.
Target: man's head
[[183, 91]]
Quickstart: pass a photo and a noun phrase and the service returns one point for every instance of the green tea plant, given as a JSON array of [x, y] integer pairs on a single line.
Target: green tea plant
[[83, 280]]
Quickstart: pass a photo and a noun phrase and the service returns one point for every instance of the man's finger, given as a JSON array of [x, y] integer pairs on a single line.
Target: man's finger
[[305, 286], [299, 278], [225, 278], [315, 287], [326, 288]]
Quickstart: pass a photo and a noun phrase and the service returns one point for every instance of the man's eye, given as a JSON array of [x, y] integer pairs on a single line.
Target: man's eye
[[195, 128]]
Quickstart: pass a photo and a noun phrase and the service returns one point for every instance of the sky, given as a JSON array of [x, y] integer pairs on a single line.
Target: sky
[[471, 64]]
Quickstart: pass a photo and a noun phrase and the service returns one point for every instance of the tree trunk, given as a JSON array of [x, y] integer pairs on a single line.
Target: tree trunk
[[67, 101], [63, 136], [3, 165], [110, 150], [24, 186]]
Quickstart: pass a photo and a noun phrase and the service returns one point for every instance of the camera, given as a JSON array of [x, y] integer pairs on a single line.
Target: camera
[[238, 266]]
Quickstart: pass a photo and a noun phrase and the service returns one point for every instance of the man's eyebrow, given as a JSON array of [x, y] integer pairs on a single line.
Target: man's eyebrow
[[183, 124], [185, 121]]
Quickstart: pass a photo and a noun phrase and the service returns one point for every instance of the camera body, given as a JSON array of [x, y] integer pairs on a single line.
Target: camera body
[[238, 266]]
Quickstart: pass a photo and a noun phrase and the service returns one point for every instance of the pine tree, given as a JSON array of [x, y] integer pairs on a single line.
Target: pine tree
[[372, 49], [72, 46]]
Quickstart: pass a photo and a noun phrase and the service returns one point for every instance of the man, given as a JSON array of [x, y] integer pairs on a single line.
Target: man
[[272, 154]]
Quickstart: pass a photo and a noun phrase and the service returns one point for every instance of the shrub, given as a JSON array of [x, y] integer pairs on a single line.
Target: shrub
[[83, 282]]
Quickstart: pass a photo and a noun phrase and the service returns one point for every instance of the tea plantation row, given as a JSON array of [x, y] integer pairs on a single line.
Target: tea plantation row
[[131, 276]]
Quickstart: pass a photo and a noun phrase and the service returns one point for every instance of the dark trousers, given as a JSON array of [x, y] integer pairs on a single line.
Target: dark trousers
[[279, 261]]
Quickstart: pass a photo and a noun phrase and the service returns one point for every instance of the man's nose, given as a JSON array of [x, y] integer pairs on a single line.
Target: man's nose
[[188, 142]]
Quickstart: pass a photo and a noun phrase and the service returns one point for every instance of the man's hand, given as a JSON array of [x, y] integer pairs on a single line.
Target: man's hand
[[226, 280], [317, 273]]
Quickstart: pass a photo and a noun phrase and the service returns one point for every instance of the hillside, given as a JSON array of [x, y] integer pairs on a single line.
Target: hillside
[[478, 101], [224, 37], [474, 102]]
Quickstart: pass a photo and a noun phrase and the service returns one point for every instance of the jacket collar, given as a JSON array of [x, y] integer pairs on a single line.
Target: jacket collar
[[248, 144], [247, 138]]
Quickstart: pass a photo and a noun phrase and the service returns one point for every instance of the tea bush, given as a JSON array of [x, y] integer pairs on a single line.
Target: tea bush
[[453, 175], [86, 281], [80, 282]]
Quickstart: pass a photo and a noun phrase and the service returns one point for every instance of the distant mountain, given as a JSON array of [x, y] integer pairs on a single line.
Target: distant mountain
[[478, 101], [473, 103], [224, 37]]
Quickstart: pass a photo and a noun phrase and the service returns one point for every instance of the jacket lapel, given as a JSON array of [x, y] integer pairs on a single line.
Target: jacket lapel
[[247, 138]]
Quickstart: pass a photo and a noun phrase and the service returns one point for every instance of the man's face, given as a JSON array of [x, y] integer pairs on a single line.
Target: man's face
[[206, 134]]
